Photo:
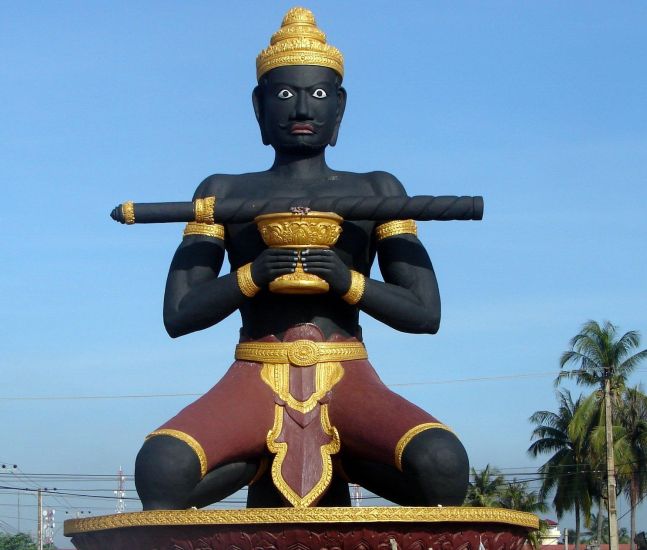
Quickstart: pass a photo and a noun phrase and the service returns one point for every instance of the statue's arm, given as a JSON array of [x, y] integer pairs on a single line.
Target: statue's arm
[[408, 299], [196, 297]]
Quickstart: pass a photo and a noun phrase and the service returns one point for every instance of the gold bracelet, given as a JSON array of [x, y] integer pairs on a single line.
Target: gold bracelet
[[216, 230], [203, 209], [396, 227], [356, 290], [245, 282], [128, 210]]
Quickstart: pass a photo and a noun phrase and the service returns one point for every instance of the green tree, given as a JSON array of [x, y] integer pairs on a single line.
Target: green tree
[[516, 495], [485, 487], [631, 417], [567, 471], [21, 541], [605, 361], [602, 526]]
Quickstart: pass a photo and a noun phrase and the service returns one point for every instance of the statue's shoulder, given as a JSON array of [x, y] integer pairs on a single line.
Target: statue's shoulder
[[385, 184], [223, 185]]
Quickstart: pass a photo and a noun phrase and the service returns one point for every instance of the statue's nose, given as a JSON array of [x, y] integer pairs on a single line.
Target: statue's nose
[[302, 106]]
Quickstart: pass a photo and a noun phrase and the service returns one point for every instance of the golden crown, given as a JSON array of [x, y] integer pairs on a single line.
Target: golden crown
[[299, 42]]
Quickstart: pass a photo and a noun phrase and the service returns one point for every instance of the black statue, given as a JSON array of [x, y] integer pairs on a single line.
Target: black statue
[[301, 412]]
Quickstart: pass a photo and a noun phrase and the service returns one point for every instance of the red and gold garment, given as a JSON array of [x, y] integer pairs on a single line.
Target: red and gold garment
[[304, 399]]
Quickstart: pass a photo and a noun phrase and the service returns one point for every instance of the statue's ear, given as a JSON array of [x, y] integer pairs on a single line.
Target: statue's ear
[[341, 106], [257, 101]]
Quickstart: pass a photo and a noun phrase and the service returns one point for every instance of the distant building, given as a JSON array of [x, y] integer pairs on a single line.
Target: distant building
[[552, 535]]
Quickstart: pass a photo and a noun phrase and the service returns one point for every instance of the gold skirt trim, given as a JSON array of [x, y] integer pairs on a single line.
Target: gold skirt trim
[[300, 353], [397, 514]]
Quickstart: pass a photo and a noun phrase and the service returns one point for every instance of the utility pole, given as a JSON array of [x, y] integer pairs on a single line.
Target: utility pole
[[40, 520], [611, 468], [48, 531], [120, 493]]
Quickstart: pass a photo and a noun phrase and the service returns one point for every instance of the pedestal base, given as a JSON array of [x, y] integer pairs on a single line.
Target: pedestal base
[[360, 528]]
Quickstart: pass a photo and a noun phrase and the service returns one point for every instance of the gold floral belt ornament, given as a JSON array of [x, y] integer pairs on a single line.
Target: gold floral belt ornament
[[300, 353]]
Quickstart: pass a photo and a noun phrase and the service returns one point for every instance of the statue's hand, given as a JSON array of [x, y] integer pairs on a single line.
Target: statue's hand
[[272, 263], [325, 263]]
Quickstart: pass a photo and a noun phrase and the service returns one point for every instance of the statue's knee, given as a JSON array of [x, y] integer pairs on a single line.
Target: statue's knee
[[438, 458], [166, 471]]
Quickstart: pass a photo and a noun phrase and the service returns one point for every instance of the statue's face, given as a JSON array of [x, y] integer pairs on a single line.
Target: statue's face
[[299, 108]]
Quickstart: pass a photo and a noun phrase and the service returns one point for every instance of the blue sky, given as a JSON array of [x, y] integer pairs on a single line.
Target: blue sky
[[538, 106]]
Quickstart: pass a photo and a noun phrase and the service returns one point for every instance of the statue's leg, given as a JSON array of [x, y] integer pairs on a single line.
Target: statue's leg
[[168, 476], [223, 481], [201, 454], [167, 470], [391, 446], [383, 480], [437, 462], [434, 471]]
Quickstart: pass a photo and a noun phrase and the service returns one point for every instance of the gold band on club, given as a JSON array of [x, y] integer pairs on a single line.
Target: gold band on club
[[300, 353], [356, 290], [396, 227], [245, 282], [203, 209], [413, 432], [189, 440], [216, 230], [128, 210]]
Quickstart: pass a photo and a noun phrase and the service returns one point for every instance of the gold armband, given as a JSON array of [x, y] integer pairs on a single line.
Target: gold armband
[[203, 209], [396, 227], [128, 210], [245, 282], [216, 230], [356, 290]]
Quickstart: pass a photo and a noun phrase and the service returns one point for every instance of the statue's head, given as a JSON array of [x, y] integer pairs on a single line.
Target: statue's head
[[299, 101]]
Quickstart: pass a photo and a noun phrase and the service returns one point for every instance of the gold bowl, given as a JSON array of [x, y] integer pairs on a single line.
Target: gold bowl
[[300, 230]]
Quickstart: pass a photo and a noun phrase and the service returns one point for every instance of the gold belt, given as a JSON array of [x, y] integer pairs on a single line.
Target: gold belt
[[301, 353]]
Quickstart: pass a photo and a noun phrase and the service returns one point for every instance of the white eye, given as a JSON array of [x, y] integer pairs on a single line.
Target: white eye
[[284, 94], [319, 93]]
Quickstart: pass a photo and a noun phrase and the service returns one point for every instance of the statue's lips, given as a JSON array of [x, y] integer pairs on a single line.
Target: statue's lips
[[302, 129]]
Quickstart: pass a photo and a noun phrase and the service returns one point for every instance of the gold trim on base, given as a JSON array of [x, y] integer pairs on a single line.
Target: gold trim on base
[[264, 516]]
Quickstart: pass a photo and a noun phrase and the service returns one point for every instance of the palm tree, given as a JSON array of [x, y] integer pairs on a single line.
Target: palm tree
[[485, 487], [602, 526], [517, 496], [632, 419], [604, 361], [567, 471]]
